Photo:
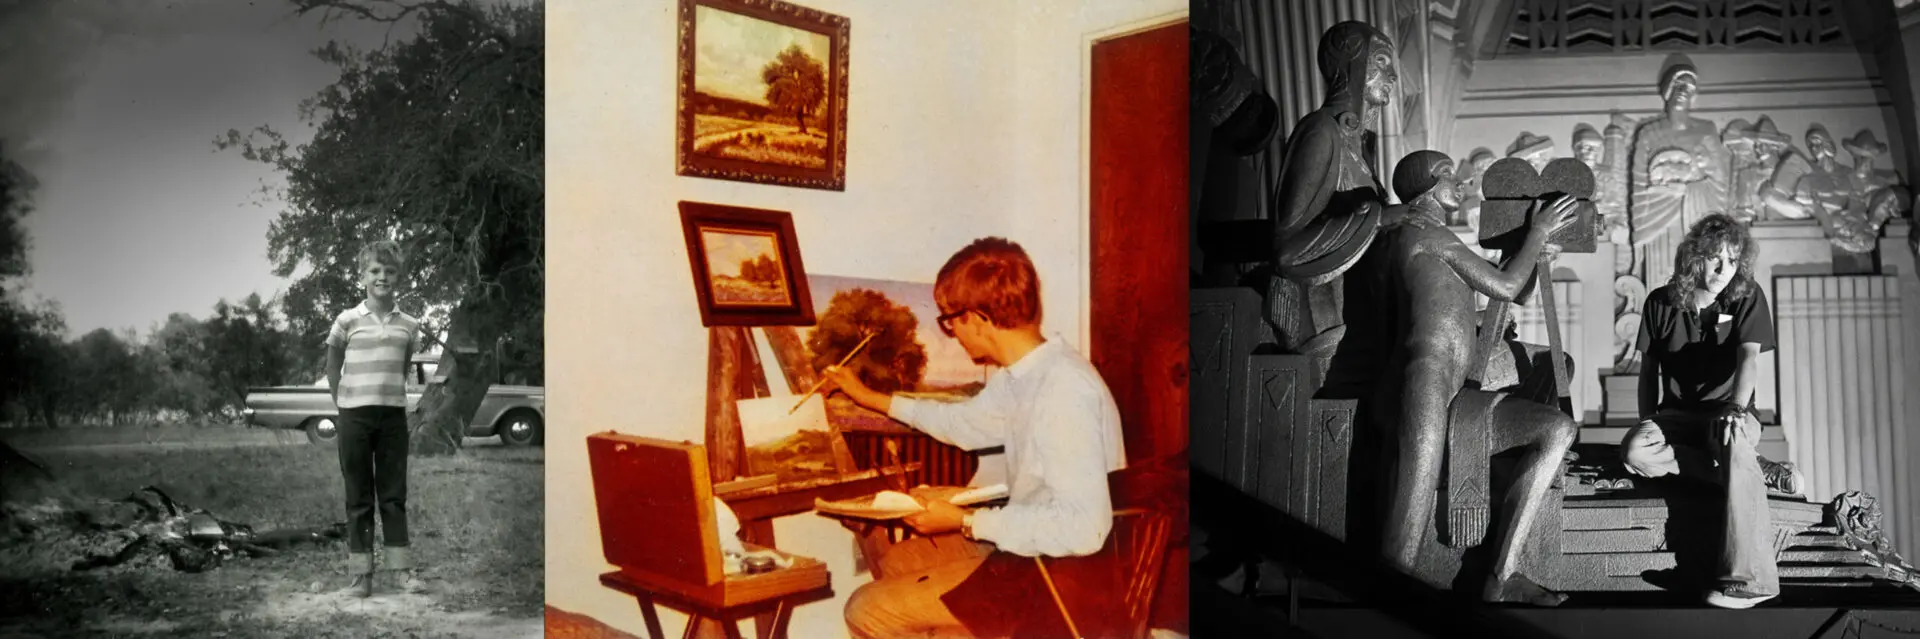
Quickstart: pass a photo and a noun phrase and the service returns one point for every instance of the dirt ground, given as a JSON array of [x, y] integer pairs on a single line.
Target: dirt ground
[[477, 534]]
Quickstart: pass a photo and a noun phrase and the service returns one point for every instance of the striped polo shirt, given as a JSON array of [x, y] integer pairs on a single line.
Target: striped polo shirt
[[377, 351]]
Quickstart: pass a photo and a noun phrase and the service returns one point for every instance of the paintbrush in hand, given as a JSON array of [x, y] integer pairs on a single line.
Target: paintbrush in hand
[[823, 378], [899, 479]]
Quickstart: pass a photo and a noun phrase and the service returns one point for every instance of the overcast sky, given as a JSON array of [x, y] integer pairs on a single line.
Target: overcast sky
[[734, 47], [113, 105]]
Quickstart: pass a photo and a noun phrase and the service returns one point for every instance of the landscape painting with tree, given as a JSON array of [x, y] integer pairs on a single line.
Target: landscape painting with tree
[[763, 89], [908, 354], [746, 266]]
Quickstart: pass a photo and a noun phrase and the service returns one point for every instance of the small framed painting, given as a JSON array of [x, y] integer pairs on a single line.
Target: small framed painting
[[746, 266]]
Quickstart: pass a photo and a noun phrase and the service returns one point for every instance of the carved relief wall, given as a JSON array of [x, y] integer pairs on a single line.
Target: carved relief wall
[[1773, 69], [1554, 95]]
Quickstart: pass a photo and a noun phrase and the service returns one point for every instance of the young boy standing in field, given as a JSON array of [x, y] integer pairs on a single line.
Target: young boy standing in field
[[367, 355], [1702, 335]]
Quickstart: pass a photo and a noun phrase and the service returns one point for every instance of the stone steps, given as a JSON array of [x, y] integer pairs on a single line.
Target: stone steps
[[1612, 540], [1828, 547]]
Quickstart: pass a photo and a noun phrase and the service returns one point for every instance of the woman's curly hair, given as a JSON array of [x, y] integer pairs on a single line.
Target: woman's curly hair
[[1706, 238]]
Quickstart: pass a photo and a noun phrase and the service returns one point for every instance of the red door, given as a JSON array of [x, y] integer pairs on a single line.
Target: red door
[[1139, 233], [1139, 240]]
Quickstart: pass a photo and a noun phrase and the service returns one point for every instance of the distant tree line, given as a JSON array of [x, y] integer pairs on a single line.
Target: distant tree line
[[762, 270], [184, 370], [435, 141]]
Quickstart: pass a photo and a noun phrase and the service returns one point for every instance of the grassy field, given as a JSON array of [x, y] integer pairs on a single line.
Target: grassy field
[[763, 142], [476, 523], [208, 435], [733, 290]]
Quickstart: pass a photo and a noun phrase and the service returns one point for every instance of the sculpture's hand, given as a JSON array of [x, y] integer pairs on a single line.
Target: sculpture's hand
[[1549, 217]]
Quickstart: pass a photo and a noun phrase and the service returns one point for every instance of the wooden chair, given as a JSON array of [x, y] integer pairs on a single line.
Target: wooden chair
[[1136, 551], [657, 523]]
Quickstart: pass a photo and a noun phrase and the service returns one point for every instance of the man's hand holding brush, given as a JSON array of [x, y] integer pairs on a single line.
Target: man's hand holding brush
[[844, 380]]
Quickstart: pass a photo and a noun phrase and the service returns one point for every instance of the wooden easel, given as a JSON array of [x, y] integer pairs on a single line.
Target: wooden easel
[[735, 372], [1499, 312]]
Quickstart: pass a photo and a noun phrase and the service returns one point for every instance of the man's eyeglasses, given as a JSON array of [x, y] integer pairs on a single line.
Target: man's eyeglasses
[[946, 321]]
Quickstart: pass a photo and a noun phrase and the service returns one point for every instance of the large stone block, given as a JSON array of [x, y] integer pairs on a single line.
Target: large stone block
[[1225, 328]]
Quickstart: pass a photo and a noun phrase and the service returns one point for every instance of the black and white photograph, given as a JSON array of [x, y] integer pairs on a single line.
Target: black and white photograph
[[272, 308], [1555, 318]]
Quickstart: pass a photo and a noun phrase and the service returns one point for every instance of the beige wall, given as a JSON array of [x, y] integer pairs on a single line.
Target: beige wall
[[965, 119]]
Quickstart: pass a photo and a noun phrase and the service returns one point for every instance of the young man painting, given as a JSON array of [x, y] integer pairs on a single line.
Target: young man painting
[[1046, 405]]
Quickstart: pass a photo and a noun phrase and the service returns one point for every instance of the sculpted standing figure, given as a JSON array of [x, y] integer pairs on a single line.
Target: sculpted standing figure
[[1329, 200], [1419, 282], [1870, 202], [1537, 150], [1610, 187], [1588, 148], [1796, 191], [1470, 195], [1600, 154], [1755, 152], [1679, 172]]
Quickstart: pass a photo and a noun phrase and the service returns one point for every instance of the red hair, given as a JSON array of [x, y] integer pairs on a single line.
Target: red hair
[[994, 277]]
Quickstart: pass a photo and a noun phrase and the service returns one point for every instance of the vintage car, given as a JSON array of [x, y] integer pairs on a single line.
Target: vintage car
[[514, 413]]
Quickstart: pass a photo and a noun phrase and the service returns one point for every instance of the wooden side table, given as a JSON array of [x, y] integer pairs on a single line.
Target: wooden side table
[[773, 595]]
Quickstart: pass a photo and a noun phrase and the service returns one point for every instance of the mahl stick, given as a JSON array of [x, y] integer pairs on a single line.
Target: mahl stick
[[823, 378]]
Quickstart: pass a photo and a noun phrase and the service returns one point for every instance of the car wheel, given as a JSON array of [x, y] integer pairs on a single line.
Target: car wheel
[[322, 430], [522, 428]]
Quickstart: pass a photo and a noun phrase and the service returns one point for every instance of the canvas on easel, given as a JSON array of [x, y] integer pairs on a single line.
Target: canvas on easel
[[785, 434]]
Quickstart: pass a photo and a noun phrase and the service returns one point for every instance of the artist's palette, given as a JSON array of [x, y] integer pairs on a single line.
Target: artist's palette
[[980, 495], [888, 504], [869, 507]]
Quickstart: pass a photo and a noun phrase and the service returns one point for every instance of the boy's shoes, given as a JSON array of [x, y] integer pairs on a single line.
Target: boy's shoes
[[411, 583], [1736, 598], [1781, 477], [361, 587]]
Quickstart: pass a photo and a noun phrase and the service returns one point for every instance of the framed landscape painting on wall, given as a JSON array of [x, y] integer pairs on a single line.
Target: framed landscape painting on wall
[[762, 93], [746, 266]]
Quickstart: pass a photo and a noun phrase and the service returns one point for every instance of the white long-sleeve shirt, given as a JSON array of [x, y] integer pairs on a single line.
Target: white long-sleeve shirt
[[1061, 430]]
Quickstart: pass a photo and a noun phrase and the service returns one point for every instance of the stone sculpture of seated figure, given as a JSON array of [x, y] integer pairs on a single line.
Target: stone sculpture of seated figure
[[1415, 300]]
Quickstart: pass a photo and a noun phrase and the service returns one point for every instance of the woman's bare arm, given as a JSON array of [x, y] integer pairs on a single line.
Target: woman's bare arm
[[1746, 377], [1649, 385]]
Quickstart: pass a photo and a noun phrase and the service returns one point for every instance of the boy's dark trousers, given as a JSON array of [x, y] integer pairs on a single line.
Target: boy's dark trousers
[[373, 459]]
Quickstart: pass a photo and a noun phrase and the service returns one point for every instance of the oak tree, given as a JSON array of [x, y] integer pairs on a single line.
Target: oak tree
[[796, 83], [434, 141], [893, 361]]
